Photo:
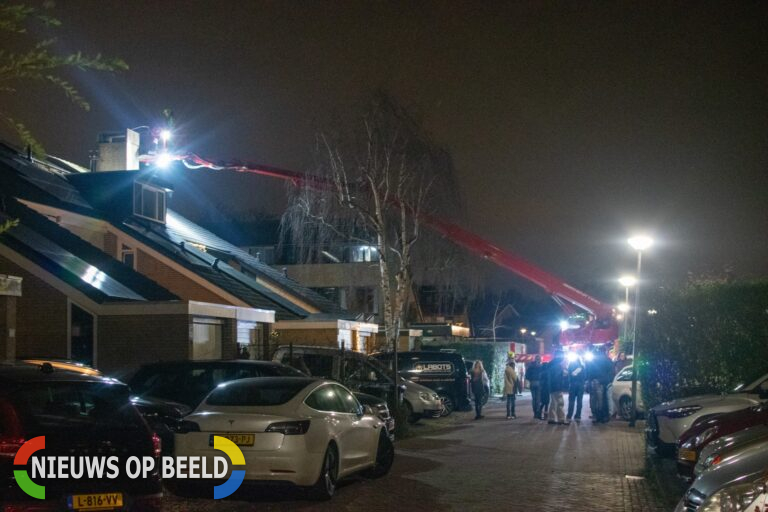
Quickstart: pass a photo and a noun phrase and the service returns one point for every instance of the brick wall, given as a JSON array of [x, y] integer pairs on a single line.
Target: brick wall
[[310, 337], [41, 321], [126, 342], [174, 281], [110, 244]]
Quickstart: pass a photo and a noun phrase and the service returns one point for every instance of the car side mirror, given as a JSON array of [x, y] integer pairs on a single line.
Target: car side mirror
[[372, 377], [367, 411]]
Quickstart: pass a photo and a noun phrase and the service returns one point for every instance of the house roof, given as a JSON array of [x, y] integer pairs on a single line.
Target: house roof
[[74, 261], [108, 196]]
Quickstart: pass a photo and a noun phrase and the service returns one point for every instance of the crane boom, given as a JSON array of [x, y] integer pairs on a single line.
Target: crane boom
[[602, 329]]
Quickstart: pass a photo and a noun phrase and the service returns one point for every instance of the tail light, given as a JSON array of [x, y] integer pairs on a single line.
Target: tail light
[[157, 445], [289, 428], [12, 436]]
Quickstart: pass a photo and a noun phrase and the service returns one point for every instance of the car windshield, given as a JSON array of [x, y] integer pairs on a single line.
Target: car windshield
[[284, 371], [753, 383], [259, 393], [77, 405]]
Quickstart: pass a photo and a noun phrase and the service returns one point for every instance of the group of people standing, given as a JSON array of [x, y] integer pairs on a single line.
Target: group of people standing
[[571, 374]]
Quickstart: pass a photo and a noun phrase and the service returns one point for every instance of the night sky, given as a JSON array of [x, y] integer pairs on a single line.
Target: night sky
[[571, 123]]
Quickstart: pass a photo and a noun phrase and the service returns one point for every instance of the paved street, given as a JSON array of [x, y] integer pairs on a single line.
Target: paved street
[[492, 464]]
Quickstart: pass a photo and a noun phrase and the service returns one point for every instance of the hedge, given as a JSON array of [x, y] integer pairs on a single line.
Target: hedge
[[704, 337]]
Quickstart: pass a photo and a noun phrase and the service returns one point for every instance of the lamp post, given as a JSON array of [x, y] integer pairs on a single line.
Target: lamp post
[[627, 282], [638, 243]]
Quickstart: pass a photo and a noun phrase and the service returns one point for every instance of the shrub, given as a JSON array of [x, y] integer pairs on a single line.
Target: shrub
[[706, 337]]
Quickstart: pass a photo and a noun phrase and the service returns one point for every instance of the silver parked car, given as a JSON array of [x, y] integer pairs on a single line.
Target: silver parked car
[[719, 448], [743, 465]]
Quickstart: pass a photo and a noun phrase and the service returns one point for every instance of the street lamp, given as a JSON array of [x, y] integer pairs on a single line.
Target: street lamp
[[627, 282], [638, 243], [523, 331]]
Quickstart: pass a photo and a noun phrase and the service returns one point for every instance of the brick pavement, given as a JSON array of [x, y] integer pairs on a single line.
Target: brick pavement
[[492, 464]]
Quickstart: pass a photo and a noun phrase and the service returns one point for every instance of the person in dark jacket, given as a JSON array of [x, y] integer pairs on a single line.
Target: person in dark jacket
[[600, 373], [533, 375], [576, 376], [558, 384], [544, 383], [479, 383]]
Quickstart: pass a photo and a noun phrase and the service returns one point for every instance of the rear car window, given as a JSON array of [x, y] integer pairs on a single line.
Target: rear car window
[[77, 404], [255, 393]]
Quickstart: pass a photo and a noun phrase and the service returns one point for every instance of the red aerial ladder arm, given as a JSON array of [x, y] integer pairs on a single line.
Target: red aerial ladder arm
[[564, 294], [553, 285]]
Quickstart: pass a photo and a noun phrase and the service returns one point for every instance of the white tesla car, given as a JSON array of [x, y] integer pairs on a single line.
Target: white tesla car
[[304, 431]]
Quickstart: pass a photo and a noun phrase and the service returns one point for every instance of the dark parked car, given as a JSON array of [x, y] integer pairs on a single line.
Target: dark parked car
[[708, 428], [184, 384], [443, 372], [79, 415]]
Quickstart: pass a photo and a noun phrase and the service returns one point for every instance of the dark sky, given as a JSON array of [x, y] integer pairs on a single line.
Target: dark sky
[[571, 123]]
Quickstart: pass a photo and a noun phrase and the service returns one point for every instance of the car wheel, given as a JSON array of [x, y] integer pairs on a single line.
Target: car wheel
[[448, 405], [412, 417], [625, 408], [325, 487], [385, 456]]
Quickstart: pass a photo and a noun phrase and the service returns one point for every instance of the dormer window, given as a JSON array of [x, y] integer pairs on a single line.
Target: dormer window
[[149, 202]]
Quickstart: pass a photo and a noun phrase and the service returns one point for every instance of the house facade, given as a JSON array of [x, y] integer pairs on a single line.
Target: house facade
[[114, 277]]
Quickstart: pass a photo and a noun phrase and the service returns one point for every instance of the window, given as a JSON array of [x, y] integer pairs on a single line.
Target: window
[[361, 253], [364, 300], [255, 393], [206, 339], [128, 256], [349, 403], [625, 374], [149, 202], [325, 399]]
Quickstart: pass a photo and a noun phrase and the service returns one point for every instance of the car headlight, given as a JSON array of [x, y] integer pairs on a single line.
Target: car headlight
[[704, 437], [699, 440], [681, 412], [734, 498], [425, 396]]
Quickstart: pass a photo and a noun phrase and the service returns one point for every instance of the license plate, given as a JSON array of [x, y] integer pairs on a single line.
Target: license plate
[[102, 501], [238, 439], [687, 455]]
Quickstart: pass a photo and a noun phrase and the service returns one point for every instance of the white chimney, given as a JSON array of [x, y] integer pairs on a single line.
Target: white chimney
[[118, 151]]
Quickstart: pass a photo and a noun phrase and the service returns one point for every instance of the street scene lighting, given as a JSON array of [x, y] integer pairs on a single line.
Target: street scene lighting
[[163, 160], [623, 307], [628, 281], [640, 243], [165, 135]]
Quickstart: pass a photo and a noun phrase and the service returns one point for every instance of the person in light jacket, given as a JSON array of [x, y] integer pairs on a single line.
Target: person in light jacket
[[479, 383], [510, 383]]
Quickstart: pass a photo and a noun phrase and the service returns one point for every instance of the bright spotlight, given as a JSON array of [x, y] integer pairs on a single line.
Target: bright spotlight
[[640, 242], [163, 160], [572, 356], [627, 281], [623, 307], [564, 325], [165, 135], [589, 356]]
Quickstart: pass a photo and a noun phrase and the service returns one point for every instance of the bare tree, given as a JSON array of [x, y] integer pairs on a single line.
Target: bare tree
[[374, 181]]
